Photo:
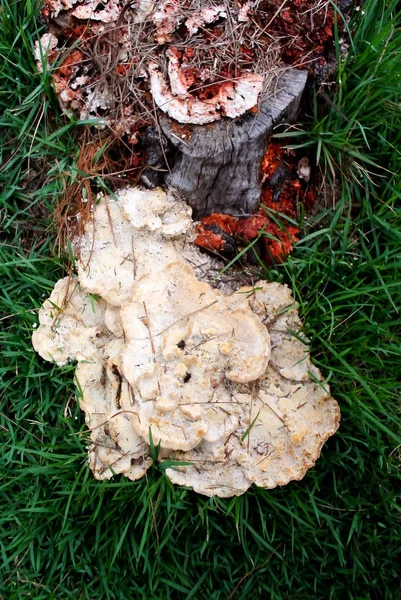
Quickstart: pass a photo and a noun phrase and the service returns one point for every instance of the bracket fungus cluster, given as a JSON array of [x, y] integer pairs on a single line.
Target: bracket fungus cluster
[[223, 382]]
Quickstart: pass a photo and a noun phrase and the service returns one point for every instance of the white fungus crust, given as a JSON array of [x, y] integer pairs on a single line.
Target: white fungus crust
[[89, 9], [219, 381], [172, 97]]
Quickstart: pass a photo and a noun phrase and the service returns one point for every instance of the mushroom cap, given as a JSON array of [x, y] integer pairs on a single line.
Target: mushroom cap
[[108, 14], [283, 427], [127, 237], [212, 473], [292, 422], [232, 100], [43, 47], [285, 417], [71, 324], [183, 341], [156, 211], [106, 257], [106, 399], [88, 9]]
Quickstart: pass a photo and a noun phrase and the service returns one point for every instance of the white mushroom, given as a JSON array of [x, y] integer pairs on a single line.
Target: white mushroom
[[205, 17], [243, 16], [128, 238], [98, 98], [106, 399], [43, 47], [233, 98], [88, 10], [175, 94], [54, 7], [106, 258], [304, 169], [222, 382], [182, 341], [166, 18], [289, 424], [71, 324], [282, 429], [143, 8], [212, 472]]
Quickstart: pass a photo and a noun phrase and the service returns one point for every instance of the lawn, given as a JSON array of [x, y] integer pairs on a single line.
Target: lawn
[[335, 534]]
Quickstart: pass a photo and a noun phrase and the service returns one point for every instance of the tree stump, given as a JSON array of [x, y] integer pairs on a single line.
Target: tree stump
[[203, 64], [216, 167]]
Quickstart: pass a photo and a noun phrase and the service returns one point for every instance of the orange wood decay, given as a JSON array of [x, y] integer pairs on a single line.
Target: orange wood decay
[[284, 22], [283, 192]]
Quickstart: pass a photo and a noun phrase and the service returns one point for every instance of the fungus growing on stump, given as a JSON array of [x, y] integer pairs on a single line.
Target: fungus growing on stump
[[211, 79], [222, 382], [167, 354]]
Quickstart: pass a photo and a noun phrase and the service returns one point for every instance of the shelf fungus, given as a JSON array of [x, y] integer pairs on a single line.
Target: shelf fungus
[[222, 382], [232, 99]]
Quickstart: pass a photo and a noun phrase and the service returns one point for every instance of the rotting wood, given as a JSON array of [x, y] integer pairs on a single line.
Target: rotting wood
[[218, 390], [216, 168], [137, 66]]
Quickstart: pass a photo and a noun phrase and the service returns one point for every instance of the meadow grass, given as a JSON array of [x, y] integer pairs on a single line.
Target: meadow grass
[[335, 534]]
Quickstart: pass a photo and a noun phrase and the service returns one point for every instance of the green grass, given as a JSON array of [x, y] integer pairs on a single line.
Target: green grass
[[337, 533]]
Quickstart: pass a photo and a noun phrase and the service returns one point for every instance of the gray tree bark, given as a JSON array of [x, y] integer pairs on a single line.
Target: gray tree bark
[[216, 168]]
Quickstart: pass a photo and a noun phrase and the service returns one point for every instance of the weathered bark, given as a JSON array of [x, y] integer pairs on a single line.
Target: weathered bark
[[216, 167]]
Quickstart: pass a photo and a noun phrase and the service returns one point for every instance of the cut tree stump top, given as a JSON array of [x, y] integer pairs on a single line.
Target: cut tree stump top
[[216, 167]]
